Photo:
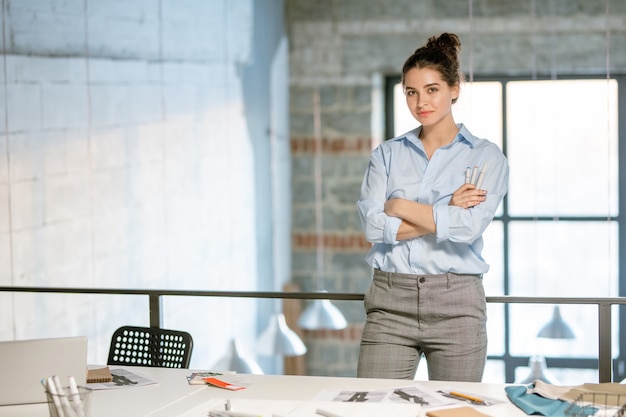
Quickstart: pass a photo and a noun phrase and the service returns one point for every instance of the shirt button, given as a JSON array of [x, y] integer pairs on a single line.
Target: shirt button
[[422, 280]]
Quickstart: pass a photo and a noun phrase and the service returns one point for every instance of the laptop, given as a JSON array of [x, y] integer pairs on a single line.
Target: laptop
[[24, 363]]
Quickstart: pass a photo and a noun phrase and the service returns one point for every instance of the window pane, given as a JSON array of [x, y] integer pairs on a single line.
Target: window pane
[[403, 120], [563, 258], [562, 147], [560, 259], [528, 319], [495, 324], [479, 108], [493, 253], [494, 372]]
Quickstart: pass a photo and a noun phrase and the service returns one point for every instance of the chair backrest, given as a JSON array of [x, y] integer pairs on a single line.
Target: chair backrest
[[150, 346]]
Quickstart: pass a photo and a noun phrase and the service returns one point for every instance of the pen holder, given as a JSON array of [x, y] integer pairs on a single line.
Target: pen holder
[[69, 405]]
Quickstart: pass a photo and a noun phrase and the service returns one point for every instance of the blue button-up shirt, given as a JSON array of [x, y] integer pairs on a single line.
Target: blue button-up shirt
[[400, 168]]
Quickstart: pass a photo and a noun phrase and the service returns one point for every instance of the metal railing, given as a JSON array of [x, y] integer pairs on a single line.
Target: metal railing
[[605, 369]]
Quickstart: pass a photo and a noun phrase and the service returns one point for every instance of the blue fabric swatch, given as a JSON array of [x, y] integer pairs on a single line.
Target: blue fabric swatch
[[535, 404]]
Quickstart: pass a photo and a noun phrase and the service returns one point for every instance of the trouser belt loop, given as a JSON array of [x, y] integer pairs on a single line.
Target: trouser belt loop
[[389, 279], [448, 280]]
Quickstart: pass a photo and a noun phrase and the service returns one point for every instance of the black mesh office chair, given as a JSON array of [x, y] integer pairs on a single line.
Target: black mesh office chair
[[150, 346]]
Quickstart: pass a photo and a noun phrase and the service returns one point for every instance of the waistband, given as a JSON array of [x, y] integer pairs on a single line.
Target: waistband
[[380, 273]]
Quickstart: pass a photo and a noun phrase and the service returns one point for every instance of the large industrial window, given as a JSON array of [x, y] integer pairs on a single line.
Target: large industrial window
[[557, 232]]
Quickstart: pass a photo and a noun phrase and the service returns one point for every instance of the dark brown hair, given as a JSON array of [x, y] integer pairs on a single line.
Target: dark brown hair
[[441, 54]]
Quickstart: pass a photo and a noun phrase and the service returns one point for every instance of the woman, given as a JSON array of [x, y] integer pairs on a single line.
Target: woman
[[427, 196]]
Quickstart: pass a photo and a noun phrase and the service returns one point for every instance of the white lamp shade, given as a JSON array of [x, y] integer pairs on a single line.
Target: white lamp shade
[[556, 328], [539, 371], [279, 339], [238, 361], [322, 314]]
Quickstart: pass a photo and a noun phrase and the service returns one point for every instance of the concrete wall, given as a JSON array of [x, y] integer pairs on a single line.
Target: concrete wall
[[341, 49], [133, 156]]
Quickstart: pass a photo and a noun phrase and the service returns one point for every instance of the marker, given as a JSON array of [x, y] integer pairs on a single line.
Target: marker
[[481, 177], [67, 407], [224, 413], [55, 397], [468, 397], [326, 413], [474, 174], [78, 405]]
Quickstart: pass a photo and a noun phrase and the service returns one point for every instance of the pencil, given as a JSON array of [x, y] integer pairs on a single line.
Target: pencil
[[467, 397]]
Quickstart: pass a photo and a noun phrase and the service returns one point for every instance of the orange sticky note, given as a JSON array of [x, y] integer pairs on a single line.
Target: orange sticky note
[[222, 384]]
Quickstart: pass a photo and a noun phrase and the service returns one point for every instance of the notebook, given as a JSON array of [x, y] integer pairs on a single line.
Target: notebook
[[24, 363], [456, 412]]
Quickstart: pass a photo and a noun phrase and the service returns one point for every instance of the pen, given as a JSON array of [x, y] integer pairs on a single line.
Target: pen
[[468, 397], [326, 413], [223, 413]]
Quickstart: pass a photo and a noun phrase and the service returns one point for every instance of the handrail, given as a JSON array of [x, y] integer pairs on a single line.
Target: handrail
[[605, 369]]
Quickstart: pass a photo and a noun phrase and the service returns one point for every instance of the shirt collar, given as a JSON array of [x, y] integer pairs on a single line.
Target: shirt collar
[[463, 135]]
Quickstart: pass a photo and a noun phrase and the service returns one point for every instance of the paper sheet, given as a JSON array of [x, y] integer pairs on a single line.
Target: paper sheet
[[280, 408], [122, 378], [401, 395]]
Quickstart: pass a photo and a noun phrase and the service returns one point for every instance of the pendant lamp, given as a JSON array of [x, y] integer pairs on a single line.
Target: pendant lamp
[[279, 339], [556, 328], [236, 360], [322, 314]]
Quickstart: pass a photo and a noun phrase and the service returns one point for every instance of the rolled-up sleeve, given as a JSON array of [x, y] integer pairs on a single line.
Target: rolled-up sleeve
[[466, 225], [377, 226]]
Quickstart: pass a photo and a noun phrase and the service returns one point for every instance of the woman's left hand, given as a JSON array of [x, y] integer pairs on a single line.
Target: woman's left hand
[[467, 196]]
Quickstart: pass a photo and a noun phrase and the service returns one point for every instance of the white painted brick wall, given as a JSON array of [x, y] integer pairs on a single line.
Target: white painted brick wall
[[111, 72], [64, 105], [4, 226], [146, 103], [76, 152], [66, 198], [126, 171], [37, 155], [39, 69], [27, 206], [110, 105], [24, 106]]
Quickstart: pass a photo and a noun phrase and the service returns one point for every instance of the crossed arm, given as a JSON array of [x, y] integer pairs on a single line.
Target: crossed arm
[[417, 218]]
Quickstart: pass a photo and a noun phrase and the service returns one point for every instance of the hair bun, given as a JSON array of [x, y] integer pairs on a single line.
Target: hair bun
[[441, 54], [446, 41]]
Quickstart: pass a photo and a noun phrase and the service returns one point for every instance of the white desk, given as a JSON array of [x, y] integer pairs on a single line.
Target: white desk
[[172, 396]]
